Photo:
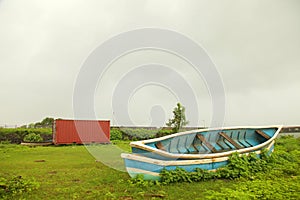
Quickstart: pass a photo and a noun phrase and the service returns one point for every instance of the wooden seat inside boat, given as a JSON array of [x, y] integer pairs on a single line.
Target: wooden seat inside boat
[[234, 143], [206, 143], [263, 134], [160, 146]]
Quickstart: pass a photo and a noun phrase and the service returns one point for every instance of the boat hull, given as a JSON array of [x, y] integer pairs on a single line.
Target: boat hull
[[151, 168]]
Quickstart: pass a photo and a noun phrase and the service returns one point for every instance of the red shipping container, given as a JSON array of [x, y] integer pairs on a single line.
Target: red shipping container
[[81, 131]]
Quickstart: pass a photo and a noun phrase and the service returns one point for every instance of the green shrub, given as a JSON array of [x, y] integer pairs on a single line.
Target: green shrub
[[115, 134], [164, 132], [138, 133], [139, 181], [120, 133], [32, 137]]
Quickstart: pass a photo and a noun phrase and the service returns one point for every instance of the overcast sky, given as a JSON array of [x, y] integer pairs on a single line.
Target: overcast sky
[[254, 44]]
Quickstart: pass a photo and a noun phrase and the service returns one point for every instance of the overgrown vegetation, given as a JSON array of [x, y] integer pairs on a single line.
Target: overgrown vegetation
[[239, 166], [16, 135], [16, 186]]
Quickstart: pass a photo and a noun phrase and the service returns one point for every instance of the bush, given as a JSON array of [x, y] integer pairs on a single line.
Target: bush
[[115, 134], [138, 133], [32, 137], [16, 135], [164, 132]]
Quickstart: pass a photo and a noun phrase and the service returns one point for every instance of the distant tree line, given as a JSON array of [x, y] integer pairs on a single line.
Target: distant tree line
[[34, 132], [42, 131]]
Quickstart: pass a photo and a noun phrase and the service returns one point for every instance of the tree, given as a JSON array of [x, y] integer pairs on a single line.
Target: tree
[[178, 120], [45, 123]]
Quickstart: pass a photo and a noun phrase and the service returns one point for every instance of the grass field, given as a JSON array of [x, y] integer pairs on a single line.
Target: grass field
[[71, 172]]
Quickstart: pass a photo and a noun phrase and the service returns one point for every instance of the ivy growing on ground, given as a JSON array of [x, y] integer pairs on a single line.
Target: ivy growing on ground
[[139, 181], [239, 166]]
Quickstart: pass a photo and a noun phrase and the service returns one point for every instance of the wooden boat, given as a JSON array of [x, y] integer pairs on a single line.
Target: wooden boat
[[206, 148], [36, 143]]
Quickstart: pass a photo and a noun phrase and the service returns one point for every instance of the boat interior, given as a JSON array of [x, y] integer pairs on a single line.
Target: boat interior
[[214, 141]]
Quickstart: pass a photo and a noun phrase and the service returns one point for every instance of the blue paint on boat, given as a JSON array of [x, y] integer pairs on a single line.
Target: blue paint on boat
[[156, 168], [143, 166], [217, 165]]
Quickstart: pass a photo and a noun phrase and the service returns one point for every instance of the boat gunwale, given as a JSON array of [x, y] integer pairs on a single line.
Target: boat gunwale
[[142, 144]]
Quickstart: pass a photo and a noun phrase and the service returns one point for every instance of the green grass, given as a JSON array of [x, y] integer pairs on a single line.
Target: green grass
[[71, 172]]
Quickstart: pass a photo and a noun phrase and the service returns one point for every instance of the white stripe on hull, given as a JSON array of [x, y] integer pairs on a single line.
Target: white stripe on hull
[[141, 171]]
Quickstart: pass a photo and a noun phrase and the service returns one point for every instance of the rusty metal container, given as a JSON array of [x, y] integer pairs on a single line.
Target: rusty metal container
[[81, 131]]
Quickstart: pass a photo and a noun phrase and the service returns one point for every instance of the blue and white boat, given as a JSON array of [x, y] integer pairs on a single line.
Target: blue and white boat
[[205, 148]]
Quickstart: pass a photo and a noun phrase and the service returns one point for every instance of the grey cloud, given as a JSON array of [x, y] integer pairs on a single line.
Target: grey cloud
[[254, 44]]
